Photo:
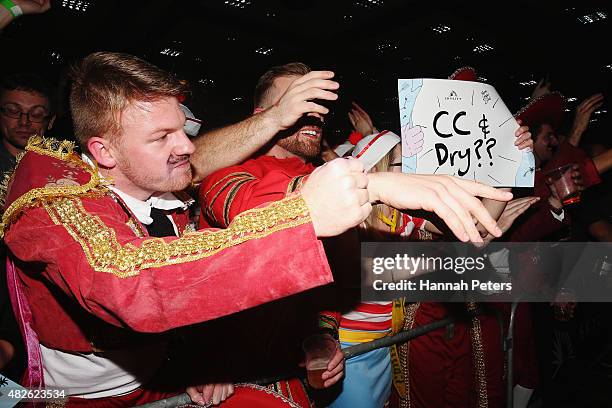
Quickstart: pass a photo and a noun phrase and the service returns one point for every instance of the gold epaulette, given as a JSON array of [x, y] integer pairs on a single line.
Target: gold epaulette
[[62, 150]]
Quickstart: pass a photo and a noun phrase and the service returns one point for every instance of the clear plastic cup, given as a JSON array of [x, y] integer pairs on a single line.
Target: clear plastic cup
[[562, 181], [564, 305], [319, 350]]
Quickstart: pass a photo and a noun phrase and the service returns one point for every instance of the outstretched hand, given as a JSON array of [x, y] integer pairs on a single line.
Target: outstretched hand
[[512, 211], [451, 198]]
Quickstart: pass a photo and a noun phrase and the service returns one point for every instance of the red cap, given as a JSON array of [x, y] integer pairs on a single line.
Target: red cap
[[464, 74], [547, 108]]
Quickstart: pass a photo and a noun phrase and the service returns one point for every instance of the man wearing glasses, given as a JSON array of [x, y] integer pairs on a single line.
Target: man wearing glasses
[[25, 110]]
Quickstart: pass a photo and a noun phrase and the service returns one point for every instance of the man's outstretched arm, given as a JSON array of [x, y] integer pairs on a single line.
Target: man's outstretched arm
[[451, 198], [235, 143]]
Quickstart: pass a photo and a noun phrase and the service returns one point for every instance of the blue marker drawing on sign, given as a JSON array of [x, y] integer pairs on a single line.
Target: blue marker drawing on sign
[[412, 141], [7, 389], [526, 170]]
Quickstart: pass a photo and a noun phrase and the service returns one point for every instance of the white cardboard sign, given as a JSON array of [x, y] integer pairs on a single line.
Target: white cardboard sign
[[461, 128]]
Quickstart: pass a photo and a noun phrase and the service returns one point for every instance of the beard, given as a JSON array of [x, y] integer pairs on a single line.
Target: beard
[[176, 180], [304, 146], [306, 149]]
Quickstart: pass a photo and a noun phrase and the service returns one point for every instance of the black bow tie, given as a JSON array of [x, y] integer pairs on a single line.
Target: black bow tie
[[161, 225]]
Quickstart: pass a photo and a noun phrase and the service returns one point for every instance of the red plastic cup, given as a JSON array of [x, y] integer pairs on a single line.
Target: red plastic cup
[[562, 181], [319, 350]]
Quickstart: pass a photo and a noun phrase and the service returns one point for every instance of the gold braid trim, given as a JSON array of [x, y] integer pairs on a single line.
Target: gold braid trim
[[5, 179], [270, 391], [296, 183], [229, 179], [291, 185], [229, 199], [404, 350], [104, 253], [479, 359], [62, 150]]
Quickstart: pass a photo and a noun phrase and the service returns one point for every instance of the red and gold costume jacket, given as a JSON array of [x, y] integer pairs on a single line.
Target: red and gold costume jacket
[[233, 190], [88, 267]]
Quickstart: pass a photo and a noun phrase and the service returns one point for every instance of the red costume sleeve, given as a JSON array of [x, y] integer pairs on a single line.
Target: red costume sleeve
[[537, 224], [85, 247], [228, 192]]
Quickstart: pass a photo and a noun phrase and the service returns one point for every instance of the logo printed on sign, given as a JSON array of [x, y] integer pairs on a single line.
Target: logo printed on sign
[[453, 97]]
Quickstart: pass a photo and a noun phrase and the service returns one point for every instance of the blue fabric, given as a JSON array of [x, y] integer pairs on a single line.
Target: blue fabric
[[367, 380]]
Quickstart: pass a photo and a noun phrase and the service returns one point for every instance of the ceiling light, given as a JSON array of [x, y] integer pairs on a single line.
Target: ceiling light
[[571, 99], [238, 3], [528, 83], [76, 5], [170, 52], [592, 17], [206, 82], [55, 57], [370, 3], [387, 46], [264, 50], [482, 48], [441, 28]]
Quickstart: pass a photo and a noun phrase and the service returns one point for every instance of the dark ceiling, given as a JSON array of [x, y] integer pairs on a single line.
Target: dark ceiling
[[222, 46]]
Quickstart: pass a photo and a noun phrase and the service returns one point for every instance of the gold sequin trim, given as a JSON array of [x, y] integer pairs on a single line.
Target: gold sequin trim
[[105, 254], [61, 150]]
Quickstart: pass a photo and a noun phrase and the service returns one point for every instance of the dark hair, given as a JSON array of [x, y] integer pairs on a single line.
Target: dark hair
[[104, 83], [266, 80], [535, 129], [28, 82]]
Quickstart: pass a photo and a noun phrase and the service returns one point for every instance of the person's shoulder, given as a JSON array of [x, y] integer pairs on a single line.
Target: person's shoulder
[[252, 168], [48, 169]]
